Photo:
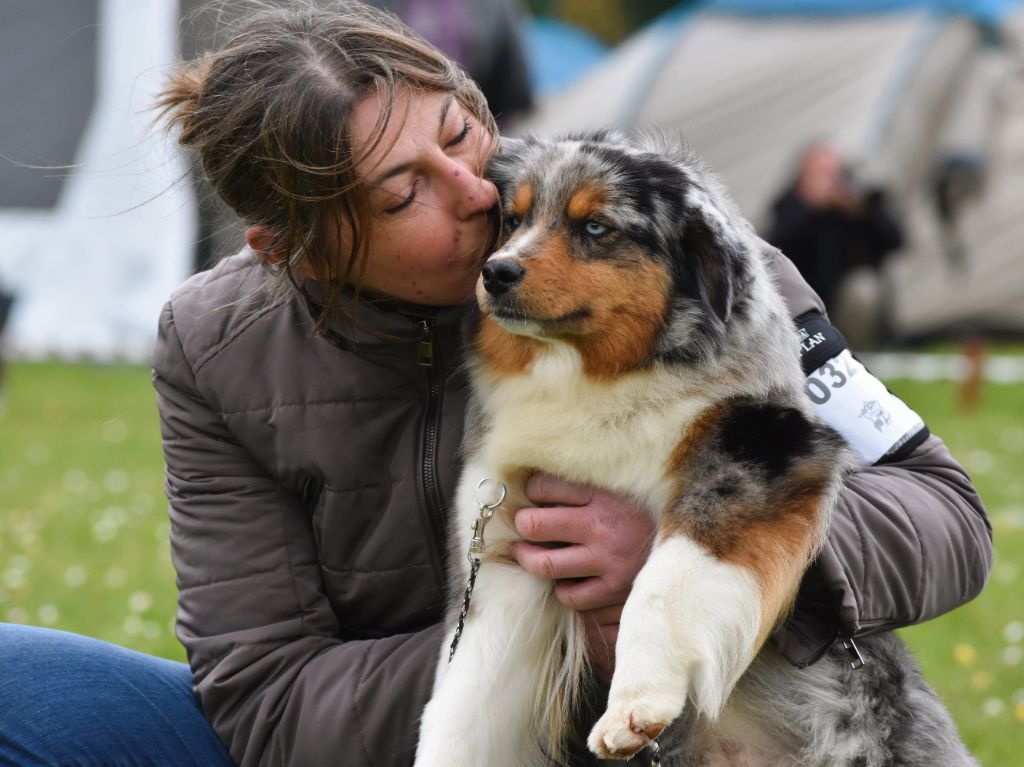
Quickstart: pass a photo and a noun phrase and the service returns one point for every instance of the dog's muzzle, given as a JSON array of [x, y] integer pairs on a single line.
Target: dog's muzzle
[[502, 274]]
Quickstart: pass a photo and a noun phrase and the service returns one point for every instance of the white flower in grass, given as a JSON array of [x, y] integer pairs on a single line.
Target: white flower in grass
[[1012, 656], [151, 630], [993, 706], [116, 481], [76, 481], [48, 614], [1014, 632], [17, 615], [115, 431], [37, 454], [1005, 572], [132, 625], [980, 461], [1012, 439], [141, 504], [115, 578], [74, 576], [140, 601]]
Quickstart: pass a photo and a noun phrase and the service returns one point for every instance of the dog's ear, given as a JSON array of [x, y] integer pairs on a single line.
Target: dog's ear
[[505, 167], [712, 258]]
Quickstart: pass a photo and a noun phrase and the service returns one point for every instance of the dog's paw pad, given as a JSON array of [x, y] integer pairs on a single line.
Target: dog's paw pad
[[625, 730]]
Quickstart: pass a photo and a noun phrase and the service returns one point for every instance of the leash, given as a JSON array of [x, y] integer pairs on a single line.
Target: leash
[[655, 753], [475, 556], [475, 553]]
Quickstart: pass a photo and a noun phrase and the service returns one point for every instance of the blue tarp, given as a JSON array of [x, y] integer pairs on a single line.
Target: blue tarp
[[986, 11]]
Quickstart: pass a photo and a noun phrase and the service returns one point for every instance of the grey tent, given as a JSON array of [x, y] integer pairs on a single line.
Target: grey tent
[[908, 90]]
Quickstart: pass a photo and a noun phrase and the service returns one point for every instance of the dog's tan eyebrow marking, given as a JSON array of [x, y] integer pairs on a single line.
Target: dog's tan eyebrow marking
[[523, 200], [588, 200]]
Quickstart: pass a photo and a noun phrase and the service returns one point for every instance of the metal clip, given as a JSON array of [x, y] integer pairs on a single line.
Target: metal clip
[[853, 654], [476, 545]]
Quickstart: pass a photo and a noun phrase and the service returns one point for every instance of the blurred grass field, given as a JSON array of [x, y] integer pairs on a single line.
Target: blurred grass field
[[83, 531]]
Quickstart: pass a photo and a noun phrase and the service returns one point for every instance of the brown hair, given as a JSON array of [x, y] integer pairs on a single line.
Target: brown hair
[[269, 114]]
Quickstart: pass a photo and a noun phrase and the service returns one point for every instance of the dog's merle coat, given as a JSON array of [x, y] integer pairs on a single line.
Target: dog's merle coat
[[631, 337]]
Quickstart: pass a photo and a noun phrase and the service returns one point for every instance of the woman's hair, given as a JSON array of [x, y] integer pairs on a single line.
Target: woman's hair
[[269, 115]]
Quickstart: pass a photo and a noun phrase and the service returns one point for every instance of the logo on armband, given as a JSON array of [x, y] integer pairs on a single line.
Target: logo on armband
[[876, 424]]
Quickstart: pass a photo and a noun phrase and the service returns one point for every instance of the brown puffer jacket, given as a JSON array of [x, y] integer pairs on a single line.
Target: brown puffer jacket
[[308, 480]]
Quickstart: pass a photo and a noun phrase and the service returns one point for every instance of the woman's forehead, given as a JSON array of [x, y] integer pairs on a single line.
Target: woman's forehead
[[416, 117]]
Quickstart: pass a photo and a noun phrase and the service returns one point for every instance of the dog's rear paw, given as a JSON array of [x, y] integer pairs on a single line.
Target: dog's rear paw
[[628, 727]]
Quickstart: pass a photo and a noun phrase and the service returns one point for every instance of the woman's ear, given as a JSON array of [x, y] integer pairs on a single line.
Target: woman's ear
[[265, 242]]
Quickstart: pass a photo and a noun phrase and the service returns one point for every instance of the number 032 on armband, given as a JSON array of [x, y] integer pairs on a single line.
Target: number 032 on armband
[[876, 423]]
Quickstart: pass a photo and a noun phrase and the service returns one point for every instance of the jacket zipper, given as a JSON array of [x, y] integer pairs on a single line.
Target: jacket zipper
[[428, 358], [850, 649], [310, 493]]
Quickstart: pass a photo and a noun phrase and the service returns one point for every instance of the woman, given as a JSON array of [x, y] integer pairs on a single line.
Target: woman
[[311, 405]]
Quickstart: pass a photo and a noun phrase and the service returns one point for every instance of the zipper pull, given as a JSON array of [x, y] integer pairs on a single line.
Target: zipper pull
[[425, 350], [853, 655]]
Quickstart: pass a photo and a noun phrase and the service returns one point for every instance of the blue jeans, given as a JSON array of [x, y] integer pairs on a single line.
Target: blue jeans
[[69, 700]]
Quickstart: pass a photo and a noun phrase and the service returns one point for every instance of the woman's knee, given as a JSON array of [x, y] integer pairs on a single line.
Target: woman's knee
[[65, 696]]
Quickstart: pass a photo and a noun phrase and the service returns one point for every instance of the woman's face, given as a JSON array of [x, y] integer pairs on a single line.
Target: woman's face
[[429, 225]]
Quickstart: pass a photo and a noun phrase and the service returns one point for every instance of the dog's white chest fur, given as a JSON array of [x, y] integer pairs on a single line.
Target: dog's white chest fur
[[611, 434]]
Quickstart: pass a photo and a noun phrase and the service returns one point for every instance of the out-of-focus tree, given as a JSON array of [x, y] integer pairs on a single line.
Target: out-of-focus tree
[[609, 20]]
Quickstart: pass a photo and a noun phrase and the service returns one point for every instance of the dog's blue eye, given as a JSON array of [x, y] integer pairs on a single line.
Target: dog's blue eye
[[511, 222], [596, 228]]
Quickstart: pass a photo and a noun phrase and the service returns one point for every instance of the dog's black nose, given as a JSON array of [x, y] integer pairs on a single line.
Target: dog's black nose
[[500, 274]]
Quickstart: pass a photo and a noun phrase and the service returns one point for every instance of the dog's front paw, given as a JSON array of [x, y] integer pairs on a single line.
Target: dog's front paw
[[630, 724]]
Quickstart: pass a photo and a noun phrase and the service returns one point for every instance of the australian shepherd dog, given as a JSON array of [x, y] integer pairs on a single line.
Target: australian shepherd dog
[[631, 337]]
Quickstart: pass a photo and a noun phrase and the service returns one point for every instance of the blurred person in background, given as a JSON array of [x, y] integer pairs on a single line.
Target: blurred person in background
[[485, 36], [6, 304], [312, 396], [838, 233]]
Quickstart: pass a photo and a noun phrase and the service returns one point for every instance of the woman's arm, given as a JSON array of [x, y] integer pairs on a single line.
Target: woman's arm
[[275, 676]]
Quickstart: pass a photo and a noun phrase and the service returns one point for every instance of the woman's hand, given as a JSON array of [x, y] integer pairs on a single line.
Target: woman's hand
[[605, 539]]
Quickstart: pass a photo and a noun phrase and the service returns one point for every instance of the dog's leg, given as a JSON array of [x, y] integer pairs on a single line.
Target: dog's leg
[[484, 709], [689, 626]]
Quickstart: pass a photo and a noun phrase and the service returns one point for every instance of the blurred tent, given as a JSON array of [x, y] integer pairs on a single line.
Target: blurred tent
[[97, 231], [925, 98]]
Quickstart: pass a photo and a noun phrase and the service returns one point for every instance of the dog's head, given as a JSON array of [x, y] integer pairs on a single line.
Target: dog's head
[[627, 251]]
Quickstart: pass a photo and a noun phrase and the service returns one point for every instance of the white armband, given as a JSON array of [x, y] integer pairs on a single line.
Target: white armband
[[876, 424]]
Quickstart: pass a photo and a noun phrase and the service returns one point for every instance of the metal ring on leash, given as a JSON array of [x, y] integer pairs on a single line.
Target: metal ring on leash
[[501, 497]]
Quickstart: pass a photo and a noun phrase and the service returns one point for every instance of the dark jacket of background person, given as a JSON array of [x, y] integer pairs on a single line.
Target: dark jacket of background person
[[485, 36], [826, 244], [308, 480]]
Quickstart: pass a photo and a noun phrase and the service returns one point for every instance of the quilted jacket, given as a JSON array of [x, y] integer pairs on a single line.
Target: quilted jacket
[[309, 478]]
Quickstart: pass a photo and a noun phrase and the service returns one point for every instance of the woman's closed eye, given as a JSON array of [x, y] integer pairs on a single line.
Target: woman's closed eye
[[467, 126], [405, 203]]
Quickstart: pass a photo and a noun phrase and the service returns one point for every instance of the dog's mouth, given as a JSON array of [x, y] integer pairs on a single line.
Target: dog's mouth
[[515, 317]]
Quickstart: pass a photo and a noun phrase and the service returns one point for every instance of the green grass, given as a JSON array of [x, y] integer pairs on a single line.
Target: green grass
[[83, 531], [83, 522], [974, 656]]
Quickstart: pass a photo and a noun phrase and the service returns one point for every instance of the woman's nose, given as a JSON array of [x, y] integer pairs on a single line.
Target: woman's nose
[[471, 194]]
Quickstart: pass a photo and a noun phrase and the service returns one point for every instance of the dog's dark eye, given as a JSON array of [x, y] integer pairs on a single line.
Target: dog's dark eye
[[511, 222], [596, 228]]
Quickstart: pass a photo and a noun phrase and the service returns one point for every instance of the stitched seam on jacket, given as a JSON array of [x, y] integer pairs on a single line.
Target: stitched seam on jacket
[[224, 343], [355, 703], [374, 571], [303, 612], [306, 403], [921, 549], [219, 581]]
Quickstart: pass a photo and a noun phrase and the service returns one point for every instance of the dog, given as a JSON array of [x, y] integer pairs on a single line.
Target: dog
[[630, 336]]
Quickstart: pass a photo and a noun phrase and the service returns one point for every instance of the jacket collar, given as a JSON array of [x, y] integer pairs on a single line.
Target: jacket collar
[[372, 321]]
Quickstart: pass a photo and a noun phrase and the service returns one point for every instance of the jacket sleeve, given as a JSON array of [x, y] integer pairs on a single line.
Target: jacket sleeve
[[275, 678], [909, 540]]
